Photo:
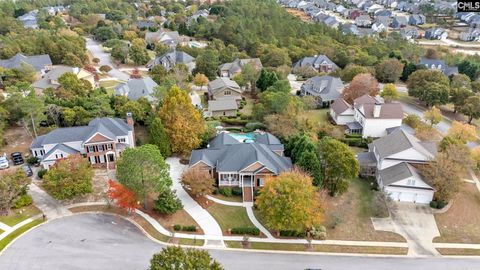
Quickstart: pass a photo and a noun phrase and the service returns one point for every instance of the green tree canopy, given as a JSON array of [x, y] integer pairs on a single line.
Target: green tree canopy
[[144, 171], [177, 258]]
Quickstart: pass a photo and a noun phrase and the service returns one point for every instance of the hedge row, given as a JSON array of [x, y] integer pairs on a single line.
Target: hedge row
[[178, 227], [245, 230], [292, 233], [358, 142]]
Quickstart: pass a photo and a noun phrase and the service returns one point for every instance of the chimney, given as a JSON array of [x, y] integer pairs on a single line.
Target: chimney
[[376, 109], [130, 119], [76, 70]]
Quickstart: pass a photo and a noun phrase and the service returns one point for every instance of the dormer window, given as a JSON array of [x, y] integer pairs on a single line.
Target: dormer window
[[227, 93], [411, 182]]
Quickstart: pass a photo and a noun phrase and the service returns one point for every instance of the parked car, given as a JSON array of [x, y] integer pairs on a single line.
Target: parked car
[[17, 158], [28, 171], [4, 164]]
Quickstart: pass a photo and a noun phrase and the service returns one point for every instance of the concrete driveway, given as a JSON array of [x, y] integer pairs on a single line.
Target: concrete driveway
[[96, 50], [415, 223]]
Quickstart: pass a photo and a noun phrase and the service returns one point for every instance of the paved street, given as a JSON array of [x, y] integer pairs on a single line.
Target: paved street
[[104, 242], [97, 51]]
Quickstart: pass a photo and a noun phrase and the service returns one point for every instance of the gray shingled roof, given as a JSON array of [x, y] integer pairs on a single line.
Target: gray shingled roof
[[38, 62], [222, 104], [326, 87], [50, 79], [171, 58], [237, 65], [398, 172], [110, 127], [227, 154], [314, 60], [399, 141], [65, 148], [222, 83], [137, 88]]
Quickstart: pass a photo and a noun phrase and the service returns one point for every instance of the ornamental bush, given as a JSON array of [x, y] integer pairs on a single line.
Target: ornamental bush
[[245, 230]]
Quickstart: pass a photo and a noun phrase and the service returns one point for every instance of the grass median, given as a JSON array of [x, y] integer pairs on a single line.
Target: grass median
[[5, 241]]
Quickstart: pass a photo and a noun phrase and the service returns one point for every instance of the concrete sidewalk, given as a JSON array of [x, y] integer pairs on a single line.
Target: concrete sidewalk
[[48, 205], [213, 232]]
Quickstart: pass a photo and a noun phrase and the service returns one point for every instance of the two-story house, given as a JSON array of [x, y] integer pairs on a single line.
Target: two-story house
[[101, 141], [242, 160], [136, 88], [367, 116], [393, 158], [223, 87], [320, 63], [440, 65]]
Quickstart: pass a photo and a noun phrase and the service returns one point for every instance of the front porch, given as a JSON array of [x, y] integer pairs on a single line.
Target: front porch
[[354, 128], [244, 181]]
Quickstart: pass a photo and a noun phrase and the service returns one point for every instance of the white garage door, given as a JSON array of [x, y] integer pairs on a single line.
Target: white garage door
[[424, 198], [407, 197]]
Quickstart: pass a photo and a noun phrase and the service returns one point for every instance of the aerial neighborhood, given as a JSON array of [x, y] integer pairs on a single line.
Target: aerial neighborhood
[[184, 133]]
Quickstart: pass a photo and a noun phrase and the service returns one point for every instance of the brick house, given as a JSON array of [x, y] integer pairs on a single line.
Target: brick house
[[242, 160], [102, 141]]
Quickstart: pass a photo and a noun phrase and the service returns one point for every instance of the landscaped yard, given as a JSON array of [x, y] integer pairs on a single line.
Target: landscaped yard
[[229, 216], [18, 215], [460, 223], [232, 198], [318, 117], [248, 108], [322, 248], [347, 217], [181, 217]]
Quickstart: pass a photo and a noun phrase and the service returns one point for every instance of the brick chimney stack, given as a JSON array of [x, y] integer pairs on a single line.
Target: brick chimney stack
[[130, 121]]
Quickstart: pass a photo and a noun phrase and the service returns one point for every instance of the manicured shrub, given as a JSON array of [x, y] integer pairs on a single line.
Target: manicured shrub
[[167, 203], [245, 230], [190, 228], [227, 192], [433, 204], [292, 233], [251, 126], [236, 122], [32, 160], [441, 204], [177, 227], [41, 173], [412, 120], [237, 191], [318, 232], [22, 200]]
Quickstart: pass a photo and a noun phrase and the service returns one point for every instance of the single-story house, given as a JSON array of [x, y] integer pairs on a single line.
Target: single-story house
[[41, 63], [168, 38], [50, 79], [326, 89], [171, 58], [136, 88], [242, 160], [231, 69]]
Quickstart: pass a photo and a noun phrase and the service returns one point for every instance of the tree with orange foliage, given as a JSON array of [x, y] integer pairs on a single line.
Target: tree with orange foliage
[[362, 84], [122, 196], [198, 181], [136, 74]]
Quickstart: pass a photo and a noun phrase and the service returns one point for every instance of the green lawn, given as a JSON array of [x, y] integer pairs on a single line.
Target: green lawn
[[19, 215], [230, 216], [319, 116], [5, 241], [229, 199], [1, 231], [190, 242], [109, 84]]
